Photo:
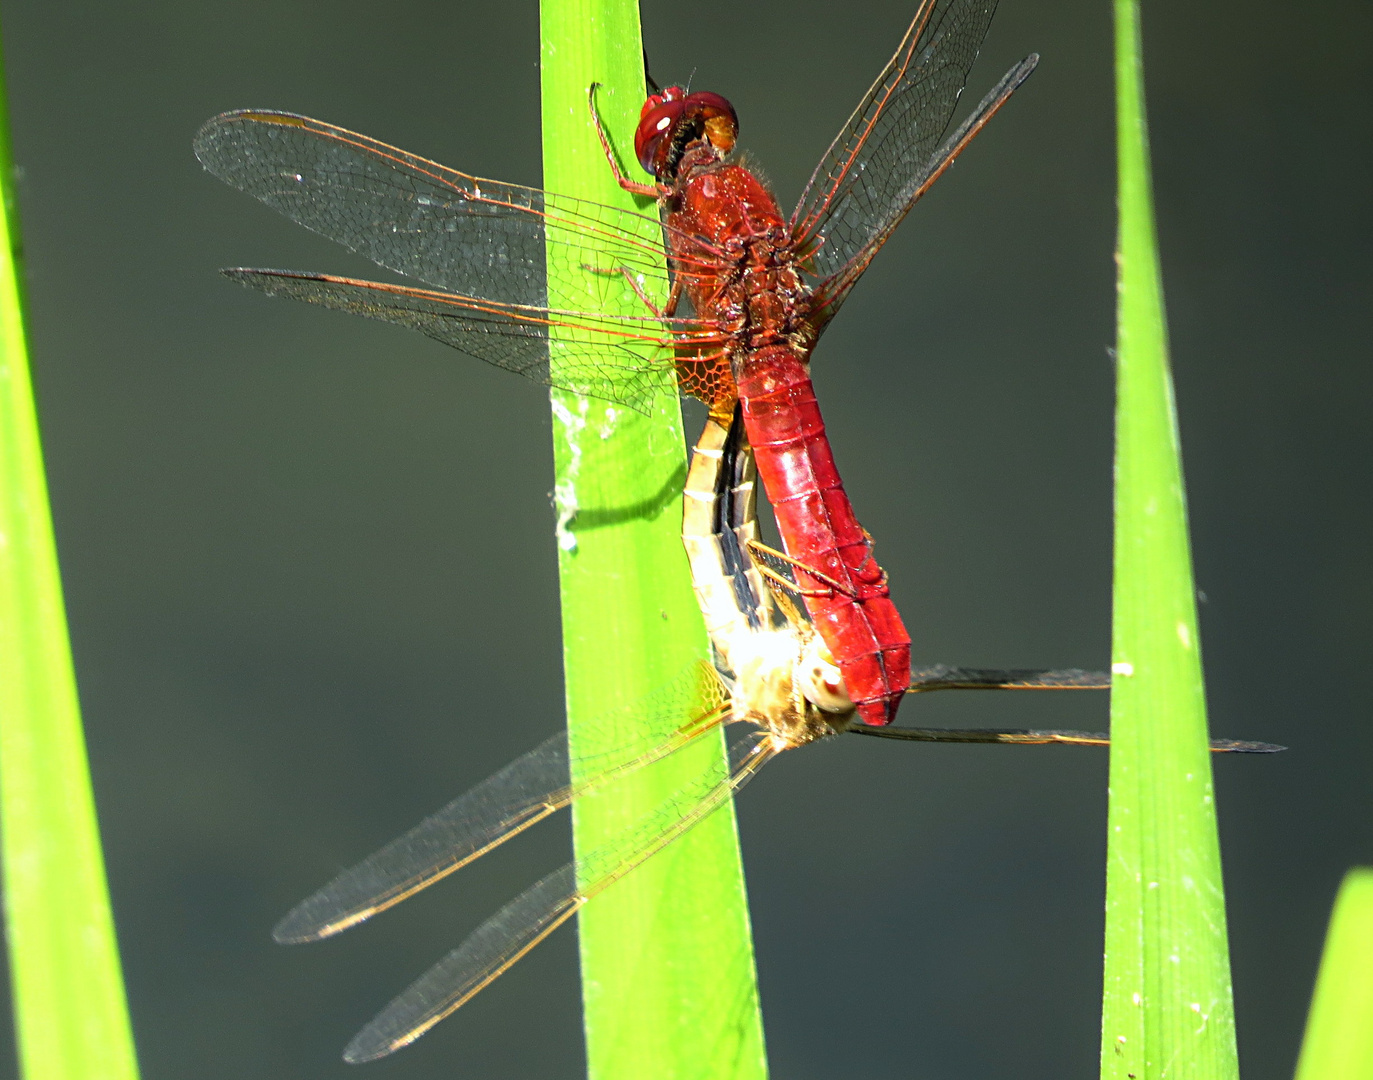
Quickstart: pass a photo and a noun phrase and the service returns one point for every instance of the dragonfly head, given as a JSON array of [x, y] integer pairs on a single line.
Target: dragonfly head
[[818, 678], [784, 686], [673, 120]]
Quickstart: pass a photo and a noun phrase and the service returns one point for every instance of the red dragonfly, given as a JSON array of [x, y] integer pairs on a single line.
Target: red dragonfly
[[769, 684], [762, 287]]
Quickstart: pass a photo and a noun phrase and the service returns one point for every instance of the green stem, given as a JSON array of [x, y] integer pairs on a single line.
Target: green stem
[[71, 1017], [1339, 1032], [1167, 1008], [667, 956]]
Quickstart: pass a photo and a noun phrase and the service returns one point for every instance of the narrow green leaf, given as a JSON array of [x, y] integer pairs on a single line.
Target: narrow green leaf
[[1339, 1031], [1167, 1008], [667, 956], [70, 1014]]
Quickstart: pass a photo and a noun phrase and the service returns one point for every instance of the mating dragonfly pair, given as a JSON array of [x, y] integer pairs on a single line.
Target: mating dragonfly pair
[[806, 642]]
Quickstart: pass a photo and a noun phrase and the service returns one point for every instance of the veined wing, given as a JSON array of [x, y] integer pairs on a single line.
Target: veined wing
[[890, 151], [505, 937], [1031, 737], [622, 359], [523, 793], [477, 237], [943, 677]]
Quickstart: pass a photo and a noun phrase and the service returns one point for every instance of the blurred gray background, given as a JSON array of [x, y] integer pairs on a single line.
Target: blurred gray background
[[310, 569]]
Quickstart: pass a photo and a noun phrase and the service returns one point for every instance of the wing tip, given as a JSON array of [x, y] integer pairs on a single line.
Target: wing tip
[[360, 1050], [205, 141], [1026, 67], [261, 116], [302, 923], [378, 1039], [293, 930], [1245, 746]]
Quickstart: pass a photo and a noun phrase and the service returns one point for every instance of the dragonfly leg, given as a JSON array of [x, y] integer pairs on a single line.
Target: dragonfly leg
[[862, 567], [664, 312], [631, 186], [790, 586], [762, 553], [674, 297]]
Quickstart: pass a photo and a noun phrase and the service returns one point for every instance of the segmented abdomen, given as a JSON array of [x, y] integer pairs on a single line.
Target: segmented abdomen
[[730, 592], [857, 620]]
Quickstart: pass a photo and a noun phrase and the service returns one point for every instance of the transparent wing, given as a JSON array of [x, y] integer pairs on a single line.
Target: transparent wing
[[523, 793], [943, 677], [488, 244], [421, 219], [624, 360], [890, 150], [1030, 737], [529, 918]]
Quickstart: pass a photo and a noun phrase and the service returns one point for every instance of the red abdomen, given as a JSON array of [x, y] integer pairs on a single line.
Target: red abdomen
[[857, 621]]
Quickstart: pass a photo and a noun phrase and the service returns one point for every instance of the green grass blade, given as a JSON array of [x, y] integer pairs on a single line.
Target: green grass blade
[[1339, 1032], [667, 956], [71, 1017], [1167, 1008]]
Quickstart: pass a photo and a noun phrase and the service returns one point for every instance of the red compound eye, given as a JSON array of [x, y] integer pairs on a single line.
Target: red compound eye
[[660, 117], [672, 93], [665, 115]]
